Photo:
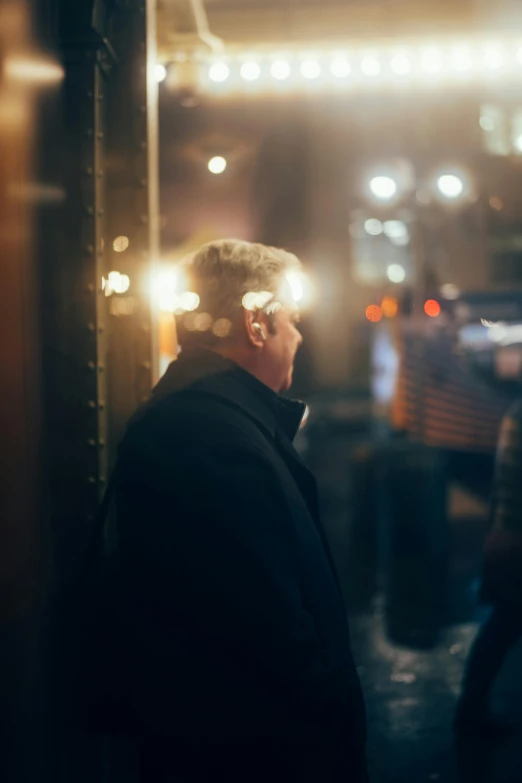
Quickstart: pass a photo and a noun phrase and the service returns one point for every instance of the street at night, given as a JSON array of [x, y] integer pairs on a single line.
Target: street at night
[[261, 375]]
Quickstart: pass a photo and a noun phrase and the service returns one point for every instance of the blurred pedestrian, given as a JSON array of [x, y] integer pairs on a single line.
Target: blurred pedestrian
[[237, 640], [502, 585]]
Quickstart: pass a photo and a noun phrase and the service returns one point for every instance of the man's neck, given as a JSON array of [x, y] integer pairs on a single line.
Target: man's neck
[[247, 360]]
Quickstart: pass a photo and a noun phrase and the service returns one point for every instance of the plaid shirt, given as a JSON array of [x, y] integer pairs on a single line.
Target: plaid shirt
[[507, 496]]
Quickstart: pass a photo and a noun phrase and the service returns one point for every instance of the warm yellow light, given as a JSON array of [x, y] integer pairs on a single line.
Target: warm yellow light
[[203, 322], [450, 291], [169, 292], [450, 186], [217, 164], [280, 70], [222, 327], [396, 273], [250, 71], [189, 322], [295, 281], [310, 69], [121, 244], [432, 308], [400, 64], [116, 283], [160, 72], [370, 66], [396, 230], [373, 227], [432, 62], [389, 307], [487, 123], [124, 284], [188, 301], [301, 288], [374, 314], [256, 300], [461, 60], [493, 59], [456, 60], [33, 71], [219, 72], [340, 67], [383, 188], [165, 288]]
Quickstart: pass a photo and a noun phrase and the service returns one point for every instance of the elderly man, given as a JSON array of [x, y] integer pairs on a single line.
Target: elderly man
[[237, 632]]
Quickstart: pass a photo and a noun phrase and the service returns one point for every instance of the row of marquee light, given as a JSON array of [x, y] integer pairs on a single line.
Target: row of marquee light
[[460, 61]]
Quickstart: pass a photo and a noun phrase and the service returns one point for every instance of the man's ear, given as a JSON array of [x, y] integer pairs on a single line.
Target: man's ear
[[256, 328]]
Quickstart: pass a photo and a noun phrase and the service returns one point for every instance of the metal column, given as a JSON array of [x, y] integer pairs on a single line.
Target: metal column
[[133, 211], [97, 357], [75, 311], [98, 349]]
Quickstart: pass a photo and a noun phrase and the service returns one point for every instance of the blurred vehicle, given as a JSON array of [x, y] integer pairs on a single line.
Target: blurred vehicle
[[441, 385], [447, 384]]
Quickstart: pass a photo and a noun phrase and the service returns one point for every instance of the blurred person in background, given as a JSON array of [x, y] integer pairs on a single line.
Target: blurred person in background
[[501, 587], [237, 640]]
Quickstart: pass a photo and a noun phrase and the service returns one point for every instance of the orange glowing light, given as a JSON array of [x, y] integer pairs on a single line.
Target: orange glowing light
[[389, 307], [374, 313], [432, 308]]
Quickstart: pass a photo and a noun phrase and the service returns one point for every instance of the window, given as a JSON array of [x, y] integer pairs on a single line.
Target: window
[[501, 130], [494, 124], [381, 250]]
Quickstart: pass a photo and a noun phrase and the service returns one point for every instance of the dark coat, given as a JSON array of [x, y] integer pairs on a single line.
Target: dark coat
[[238, 636]]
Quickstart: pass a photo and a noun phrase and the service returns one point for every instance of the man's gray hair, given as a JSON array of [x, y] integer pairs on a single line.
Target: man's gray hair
[[223, 272]]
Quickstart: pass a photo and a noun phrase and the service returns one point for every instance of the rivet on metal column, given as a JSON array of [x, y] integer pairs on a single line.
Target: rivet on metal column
[[74, 305], [132, 210]]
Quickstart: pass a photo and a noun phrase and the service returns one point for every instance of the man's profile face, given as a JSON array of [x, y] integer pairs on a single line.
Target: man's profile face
[[282, 345]]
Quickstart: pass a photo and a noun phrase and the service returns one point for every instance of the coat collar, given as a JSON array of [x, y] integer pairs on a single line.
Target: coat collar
[[207, 372]]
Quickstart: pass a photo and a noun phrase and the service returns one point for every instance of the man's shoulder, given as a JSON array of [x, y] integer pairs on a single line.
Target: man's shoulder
[[192, 418], [194, 403]]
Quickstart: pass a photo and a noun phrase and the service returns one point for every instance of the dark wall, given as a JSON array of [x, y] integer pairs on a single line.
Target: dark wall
[[23, 507]]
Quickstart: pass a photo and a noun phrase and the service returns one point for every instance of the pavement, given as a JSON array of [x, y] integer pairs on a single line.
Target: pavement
[[410, 697], [410, 692]]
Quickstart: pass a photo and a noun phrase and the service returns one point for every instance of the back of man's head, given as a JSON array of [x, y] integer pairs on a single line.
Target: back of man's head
[[223, 274]]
